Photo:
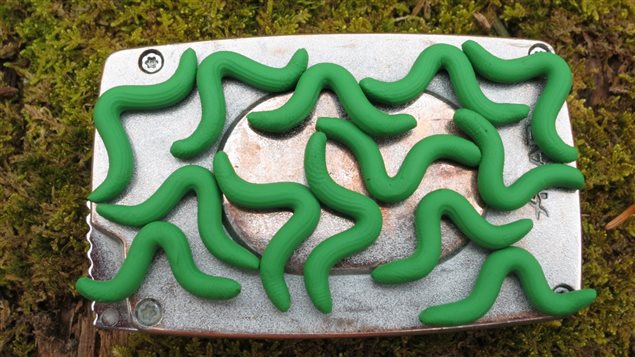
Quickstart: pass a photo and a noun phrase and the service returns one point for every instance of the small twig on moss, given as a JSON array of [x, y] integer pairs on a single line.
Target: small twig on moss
[[482, 21], [417, 9], [621, 218], [7, 91], [500, 29], [409, 17]]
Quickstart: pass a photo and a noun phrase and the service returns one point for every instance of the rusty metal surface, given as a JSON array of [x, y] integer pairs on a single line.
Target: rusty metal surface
[[360, 306], [261, 159]]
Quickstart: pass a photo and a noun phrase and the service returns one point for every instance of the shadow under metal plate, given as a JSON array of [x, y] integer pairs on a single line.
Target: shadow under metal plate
[[360, 307]]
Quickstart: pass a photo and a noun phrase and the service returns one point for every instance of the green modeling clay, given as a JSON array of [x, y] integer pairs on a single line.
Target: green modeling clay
[[428, 216], [187, 179], [411, 172], [490, 173], [281, 195], [550, 101], [331, 76], [173, 242], [119, 99], [497, 266], [209, 79], [363, 210], [453, 60]]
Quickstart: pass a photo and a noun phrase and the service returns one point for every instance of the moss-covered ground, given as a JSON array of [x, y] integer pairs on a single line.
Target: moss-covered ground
[[51, 58]]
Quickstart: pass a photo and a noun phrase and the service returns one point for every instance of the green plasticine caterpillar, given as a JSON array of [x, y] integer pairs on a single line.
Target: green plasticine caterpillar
[[405, 182], [497, 266], [490, 172], [187, 179], [331, 76], [365, 212], [209, 79], [428, 216], [281, 195], [170, 239], [463, 79], [115, 101], [550, 101]]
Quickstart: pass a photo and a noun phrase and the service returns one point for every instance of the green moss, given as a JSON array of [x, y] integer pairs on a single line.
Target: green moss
[[57, 50]]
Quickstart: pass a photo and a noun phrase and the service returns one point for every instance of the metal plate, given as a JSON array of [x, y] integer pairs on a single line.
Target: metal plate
[[360, 306]]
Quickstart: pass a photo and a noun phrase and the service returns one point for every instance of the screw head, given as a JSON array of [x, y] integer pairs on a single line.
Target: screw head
[[148, 312], [109, 317], [151, 61], [562, 288], [539, 47]]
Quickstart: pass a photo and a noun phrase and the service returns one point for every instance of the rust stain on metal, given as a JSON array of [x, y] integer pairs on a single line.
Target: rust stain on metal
[[263, 158]]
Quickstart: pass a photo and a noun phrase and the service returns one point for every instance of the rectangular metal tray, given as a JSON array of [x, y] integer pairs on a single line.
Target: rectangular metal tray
[[361, 307]]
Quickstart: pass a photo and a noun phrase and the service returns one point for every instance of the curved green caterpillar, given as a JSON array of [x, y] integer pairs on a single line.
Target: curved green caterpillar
[[363, 210], [490, 173], [497, 266], [550, 101], [428, 214], [331, 76], [117, 100], [463, 79], [411, 172], [209, 79], [286, 195], [169, 238], [182, 181]]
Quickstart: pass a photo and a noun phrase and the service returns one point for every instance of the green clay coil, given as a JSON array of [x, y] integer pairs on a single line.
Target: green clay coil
[[550, 101], [490, 173], [209, 79], [331, 76], [497, 266], [365, 212], [117, 100], [282, 195], [187, 179], [407, 180], [170, 239], [463, 79], [428, 214]]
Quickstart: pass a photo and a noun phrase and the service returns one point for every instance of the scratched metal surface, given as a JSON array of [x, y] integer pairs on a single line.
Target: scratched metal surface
[[360, 306]]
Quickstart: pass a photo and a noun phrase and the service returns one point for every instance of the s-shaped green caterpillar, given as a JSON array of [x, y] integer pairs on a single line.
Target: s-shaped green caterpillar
[[405, 182], [550, 101], [187, 179], [281, 195], [463, 79], [491, 186], [170, 239], [497, 266], [117, 100], [209, 79], [363, 210], [428, 214], [331, 76]]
